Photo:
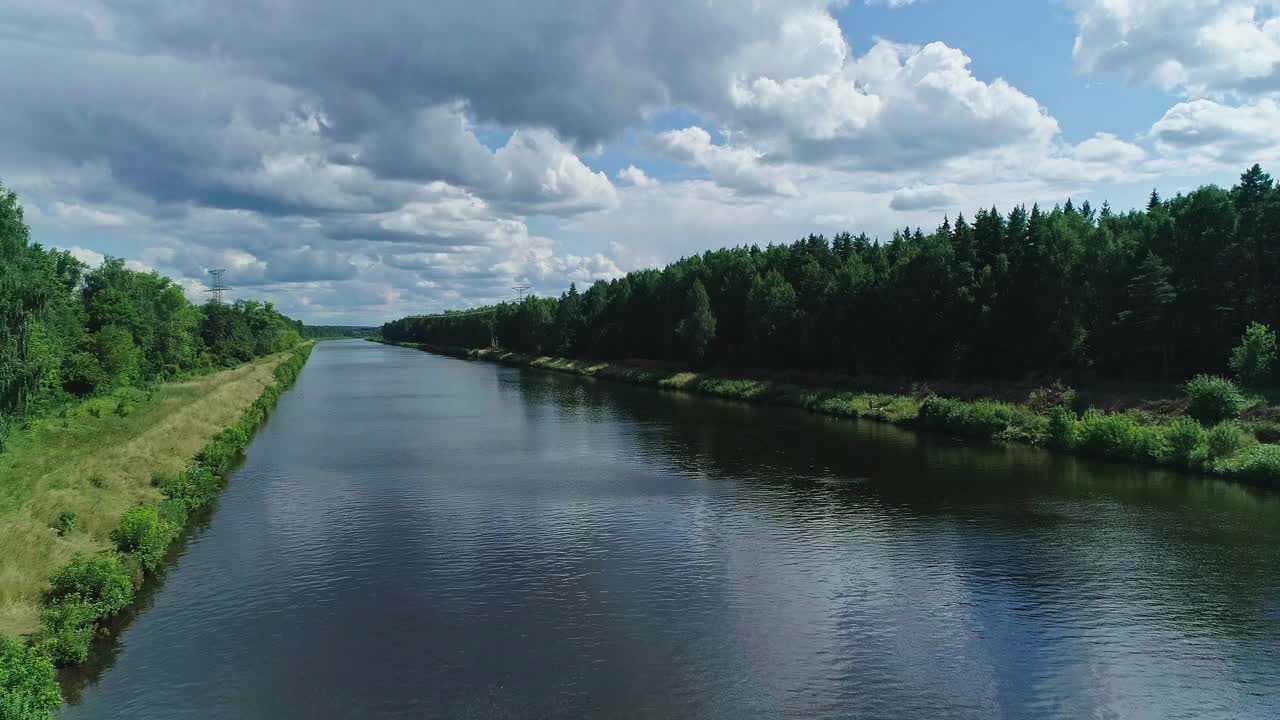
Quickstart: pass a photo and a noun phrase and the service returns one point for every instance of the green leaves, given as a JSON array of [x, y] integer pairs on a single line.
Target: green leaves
[[1254, 360], [28, 688]]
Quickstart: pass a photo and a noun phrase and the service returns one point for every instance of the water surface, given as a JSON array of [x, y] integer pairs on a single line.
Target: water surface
[[417, 536]]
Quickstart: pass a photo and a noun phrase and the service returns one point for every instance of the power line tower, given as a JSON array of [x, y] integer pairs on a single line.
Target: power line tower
[[520, 291], [215, 284]]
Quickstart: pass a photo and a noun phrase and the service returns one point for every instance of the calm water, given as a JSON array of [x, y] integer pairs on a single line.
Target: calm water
[[416, 536]]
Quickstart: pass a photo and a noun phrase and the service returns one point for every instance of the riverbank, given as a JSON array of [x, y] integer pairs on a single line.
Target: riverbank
[[65, 483], [1046, 418]]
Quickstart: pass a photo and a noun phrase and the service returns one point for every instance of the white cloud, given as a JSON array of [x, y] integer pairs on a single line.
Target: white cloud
[[633, 175], [1196, 46], [1205, 132], [736, 167], [895, 106]]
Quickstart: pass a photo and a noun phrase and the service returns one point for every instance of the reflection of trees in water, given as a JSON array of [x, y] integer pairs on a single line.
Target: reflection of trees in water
[[1211, 547]]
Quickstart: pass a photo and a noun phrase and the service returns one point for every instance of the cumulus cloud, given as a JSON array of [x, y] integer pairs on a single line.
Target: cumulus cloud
[[736, 167], [1196, 46], [897, 105], [633, 175], [355, 166], [1211, 132]]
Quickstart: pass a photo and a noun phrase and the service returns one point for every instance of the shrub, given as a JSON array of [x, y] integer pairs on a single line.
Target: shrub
[[194, 487], [1063, 429], [984, 418], [1188, 445], [1025, 426], [1260, 463], [66, 629], [67, 522], [1213, 399], [28, 688], [1112, 436], [141, 531], [1151, 446], [82, 374], [1255, 357], [100, 581], [1226, 439], [172, 513]]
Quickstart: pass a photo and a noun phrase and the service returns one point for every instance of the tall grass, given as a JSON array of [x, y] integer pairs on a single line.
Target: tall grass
[[92, 588]]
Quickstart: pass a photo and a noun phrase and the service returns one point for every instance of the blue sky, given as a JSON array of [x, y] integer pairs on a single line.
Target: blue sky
[[354, 163]]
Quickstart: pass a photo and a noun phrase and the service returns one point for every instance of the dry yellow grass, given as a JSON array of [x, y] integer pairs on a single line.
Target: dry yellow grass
[[98, 467]]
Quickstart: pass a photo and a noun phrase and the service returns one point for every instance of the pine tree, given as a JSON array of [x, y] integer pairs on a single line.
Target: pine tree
[[698, 326]]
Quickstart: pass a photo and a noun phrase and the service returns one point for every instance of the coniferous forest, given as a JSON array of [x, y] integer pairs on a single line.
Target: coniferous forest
[[1158, 294], [67, 330]]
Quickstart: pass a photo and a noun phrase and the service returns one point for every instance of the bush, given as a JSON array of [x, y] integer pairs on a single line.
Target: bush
[[1111, 436], [194, 487], [100, 581], [1260, 463], [1227, 439], [82, 374], [1255, 358], [66, 629], [67, 522], [141, 531], [28, 688], [1063, 429], [1188, 445], [1213, 399], [983, 418], [172, 513]]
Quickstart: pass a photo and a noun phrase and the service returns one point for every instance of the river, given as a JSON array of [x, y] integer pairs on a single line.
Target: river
[[418, 536]]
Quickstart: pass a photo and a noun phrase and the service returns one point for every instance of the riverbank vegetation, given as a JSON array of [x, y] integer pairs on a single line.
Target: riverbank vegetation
[[114, 427], [1083, 296], [1049, 417], [127, 487]]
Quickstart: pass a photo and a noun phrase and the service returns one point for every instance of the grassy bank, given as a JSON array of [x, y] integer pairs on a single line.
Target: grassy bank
[[1048, 417], [92, 501]]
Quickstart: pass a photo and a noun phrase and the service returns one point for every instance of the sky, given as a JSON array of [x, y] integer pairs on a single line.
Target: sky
[[357, 162]]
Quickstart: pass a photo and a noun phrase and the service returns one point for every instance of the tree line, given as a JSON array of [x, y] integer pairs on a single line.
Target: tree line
[[67, 330], [1154, 294]]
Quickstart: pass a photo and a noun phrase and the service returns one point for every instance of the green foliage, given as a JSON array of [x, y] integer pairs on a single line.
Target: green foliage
[[1156, 294], [143, 532], [67, 627], [984, 418], [1226, 439], [100, 581], [1212, 399], [1122, 436], [28, 685], [1188, 442], [1254, 359], [698, 326], [1063, 431], [67, 329], [89, 590], [1257, 463], [67, 522], [83, 374]]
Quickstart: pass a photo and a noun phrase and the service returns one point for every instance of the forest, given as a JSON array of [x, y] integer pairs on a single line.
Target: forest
[[68, 331], [1155, 294]]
